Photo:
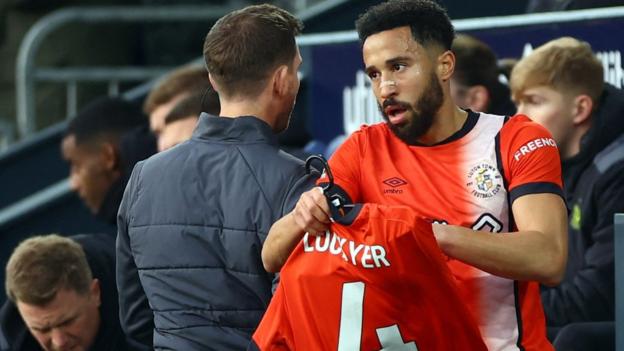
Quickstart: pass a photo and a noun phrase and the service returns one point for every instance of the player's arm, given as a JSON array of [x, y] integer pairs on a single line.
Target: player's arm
[[310, 215], [537, 251]]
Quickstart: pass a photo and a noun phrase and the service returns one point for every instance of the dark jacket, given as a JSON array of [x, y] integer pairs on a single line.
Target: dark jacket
[[100, 252], [594, 188], [134, 146], [191, 228]]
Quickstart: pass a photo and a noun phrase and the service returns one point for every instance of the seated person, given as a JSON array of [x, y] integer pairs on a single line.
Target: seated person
[[560, 85], [102, 144], [170, 90], [181, 121], [475, 84], [62, 295]]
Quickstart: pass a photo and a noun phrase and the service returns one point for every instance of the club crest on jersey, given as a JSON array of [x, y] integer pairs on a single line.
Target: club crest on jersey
[[484, 181]]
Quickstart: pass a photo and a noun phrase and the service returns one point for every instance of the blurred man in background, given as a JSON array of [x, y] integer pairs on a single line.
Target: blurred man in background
[[102, 144], [560, 85], [475, 83], [62, 296], [170, 90], [181, 121]]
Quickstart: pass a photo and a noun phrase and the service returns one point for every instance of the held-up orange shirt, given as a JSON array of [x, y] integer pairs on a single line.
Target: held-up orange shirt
[[471, 179], [376, 281]]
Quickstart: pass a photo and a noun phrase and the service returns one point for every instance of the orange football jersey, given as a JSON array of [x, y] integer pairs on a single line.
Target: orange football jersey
[[471, 179], [377, 281]]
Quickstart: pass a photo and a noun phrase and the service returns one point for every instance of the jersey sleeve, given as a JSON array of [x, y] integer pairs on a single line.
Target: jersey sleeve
[[345, 165], [530, 158]]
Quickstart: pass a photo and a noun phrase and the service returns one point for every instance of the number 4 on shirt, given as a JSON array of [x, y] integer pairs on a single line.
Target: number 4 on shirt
[[351, 324]]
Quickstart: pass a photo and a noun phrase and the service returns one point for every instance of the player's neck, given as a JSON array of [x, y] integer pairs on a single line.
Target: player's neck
[[447, 122]]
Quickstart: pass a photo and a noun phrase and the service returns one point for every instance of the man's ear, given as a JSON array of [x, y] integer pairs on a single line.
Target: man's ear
[[583, 107], [280, 80], [110, 158], [96, 291], [214, 84], [478, 98], [446, 65]]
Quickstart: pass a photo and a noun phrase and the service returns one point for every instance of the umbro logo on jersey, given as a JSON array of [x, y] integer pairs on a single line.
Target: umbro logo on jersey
[[394, 183]]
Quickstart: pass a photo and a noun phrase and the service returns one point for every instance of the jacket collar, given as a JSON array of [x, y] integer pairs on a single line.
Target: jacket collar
[[243, 129], [607, 125], [112, 199]]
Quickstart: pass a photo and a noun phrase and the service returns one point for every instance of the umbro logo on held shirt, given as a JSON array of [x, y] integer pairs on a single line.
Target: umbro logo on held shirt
[[394, 183]]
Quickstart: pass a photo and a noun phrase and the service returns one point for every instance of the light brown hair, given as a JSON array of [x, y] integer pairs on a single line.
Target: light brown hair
[[193, 105], [41, 266], [566, 64], [188, 80], [244, 46]]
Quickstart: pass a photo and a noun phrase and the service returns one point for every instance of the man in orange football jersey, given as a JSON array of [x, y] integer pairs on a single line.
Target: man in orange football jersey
[[491, 184]]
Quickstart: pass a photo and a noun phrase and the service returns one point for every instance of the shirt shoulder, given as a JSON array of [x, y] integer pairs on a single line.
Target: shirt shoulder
[[530, 158]]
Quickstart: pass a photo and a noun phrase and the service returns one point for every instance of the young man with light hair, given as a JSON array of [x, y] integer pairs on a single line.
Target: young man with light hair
[[560, 85]]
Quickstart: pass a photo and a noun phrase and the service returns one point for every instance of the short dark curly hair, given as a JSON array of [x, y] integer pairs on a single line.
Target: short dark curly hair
[[427, 20]]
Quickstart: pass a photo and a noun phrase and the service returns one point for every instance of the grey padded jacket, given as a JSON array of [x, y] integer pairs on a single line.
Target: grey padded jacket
[[191, 227]]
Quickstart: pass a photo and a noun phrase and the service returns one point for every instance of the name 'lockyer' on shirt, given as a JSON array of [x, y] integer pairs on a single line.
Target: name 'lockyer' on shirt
[[366, 256]]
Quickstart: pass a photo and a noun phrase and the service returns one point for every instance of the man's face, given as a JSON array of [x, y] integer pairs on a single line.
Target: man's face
[[176, 132], [404, 82], [90, 174], [69, 322], [289, 104], [549, 108], [157, 117]]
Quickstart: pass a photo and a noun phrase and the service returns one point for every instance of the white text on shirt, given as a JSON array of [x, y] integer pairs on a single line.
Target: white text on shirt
[[357, 254]]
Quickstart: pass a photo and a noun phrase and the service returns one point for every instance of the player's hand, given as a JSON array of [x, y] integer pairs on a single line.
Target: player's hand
[[311, 214]]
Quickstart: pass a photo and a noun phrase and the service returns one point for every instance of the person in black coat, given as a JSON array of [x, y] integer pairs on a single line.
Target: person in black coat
[[102, 144], [64, 266], [476, 84], [560, 85]]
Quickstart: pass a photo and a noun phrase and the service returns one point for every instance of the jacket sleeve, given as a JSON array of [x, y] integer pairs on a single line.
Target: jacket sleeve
[[135, 315], [300, 185], [589, 295]]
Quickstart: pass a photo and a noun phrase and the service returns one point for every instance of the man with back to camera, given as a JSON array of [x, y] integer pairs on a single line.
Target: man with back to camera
[[194, 218], [62, 296], [497, 206], [560, 85]]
